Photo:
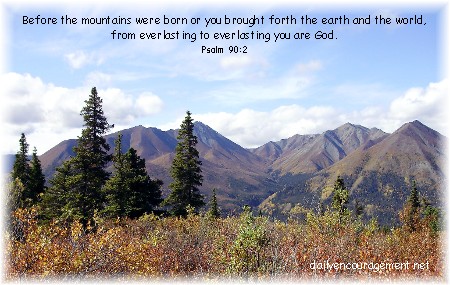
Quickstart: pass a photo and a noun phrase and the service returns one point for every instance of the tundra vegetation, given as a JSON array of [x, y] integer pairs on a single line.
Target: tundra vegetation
[[89, 223]]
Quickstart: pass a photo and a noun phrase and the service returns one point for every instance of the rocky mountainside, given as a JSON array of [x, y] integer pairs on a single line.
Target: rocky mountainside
[[379, 174], [234, 171], [312, 153], [287, 177]]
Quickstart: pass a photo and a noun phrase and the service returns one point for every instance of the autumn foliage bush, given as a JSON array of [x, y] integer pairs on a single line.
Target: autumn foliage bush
[[200, 246]]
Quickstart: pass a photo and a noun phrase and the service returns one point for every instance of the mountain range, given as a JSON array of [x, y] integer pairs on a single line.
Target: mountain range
[[287, 177]]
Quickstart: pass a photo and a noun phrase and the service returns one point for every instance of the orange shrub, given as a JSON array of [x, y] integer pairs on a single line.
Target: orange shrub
[[203, 247]]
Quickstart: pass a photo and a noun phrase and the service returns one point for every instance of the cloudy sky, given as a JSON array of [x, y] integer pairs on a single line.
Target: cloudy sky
[[373, 75]]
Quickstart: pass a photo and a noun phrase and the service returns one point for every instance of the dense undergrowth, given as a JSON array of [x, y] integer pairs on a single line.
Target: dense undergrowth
[[200, 246]]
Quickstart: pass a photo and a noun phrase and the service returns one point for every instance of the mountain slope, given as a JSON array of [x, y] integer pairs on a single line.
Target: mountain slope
[[299, 171], [311, 153], [379, 174], [237, 173]]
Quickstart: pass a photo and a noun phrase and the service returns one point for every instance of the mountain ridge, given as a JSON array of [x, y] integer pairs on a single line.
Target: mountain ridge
[[272, 173], [378, 174]]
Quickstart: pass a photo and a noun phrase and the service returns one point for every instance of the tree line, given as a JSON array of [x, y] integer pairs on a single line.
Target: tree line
[[82, 189]]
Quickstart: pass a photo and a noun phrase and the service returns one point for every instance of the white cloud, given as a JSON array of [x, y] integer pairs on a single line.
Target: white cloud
[[79, 58], [48, 111], [51, 113], [251, 128], [148, 104], [420, 101]]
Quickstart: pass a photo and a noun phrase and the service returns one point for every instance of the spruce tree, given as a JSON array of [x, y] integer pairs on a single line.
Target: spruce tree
[[340, 198], [145, 192], [21, 172], [130, 192], [185, 171], [36, 178], [88, 174], [412, 209], [29, 173], [213, 207], [55, 202], [115, 188], [413, 198]]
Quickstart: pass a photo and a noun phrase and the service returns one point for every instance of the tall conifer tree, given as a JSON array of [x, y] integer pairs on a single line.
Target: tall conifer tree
[[213, 206], [130, 192], [29, 173], [412, 208], [55, 202], [36, 177], [145, 192], [340, 198], [185, 171], [21, 167], [88, 174]]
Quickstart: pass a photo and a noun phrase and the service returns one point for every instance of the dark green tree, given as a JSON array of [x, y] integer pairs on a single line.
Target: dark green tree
[[88, 174], [411, 210], [32, 180], [21, 172], [340, 198], [36, 178], [433, 217], [55, 203], [185, 171], [21, 167], [145, 192], [115, 188], [213, 207], [130, 192], [413, 199]]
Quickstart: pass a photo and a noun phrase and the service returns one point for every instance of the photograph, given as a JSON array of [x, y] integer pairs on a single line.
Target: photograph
[[248, 141]]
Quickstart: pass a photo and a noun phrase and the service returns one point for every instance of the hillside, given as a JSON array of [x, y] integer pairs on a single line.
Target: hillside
[[312, 153], [378, 173], [295, 174], [235, 172]]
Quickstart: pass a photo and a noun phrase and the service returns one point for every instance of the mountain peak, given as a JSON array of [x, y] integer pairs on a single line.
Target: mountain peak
[[206, 134], [349, 126], [418, 128]]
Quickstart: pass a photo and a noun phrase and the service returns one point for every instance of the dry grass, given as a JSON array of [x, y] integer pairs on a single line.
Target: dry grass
[[205, 248]]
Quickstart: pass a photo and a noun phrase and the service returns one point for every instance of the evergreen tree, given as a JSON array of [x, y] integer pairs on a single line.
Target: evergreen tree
[[411, 209], [32, 180], [413, 198], [340, 198], [185, 171], [145, 192], [115, 188], [88, 174], [130, 192], [55, 202], [21, 172], [213, 207], [36, 178], [433, 217]]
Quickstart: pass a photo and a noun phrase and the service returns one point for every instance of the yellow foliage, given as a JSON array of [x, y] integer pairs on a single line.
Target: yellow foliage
[[202, 248]]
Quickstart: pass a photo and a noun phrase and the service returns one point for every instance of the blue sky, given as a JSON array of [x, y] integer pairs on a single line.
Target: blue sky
[[373, 75]]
